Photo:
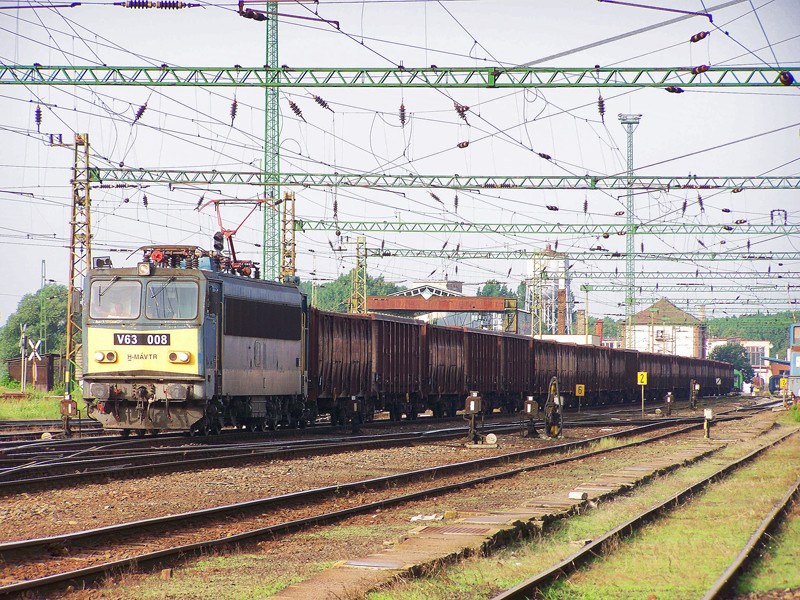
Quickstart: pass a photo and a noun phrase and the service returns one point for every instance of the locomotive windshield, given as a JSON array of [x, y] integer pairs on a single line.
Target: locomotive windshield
[[115, 299], [170, 299]]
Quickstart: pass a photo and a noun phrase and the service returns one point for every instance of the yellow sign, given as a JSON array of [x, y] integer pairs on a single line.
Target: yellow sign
[[784, 383], [579, 389], [641, 377]]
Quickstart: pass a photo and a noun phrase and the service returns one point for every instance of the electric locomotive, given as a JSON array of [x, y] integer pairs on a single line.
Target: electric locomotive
[[190, 340]]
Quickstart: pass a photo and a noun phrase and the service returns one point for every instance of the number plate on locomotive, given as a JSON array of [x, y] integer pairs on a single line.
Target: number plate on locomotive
[[141, 339]]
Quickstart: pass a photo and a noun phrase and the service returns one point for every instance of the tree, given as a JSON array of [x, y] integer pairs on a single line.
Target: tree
[[28, 312], [495, 289], [335, 296], [736, 355]]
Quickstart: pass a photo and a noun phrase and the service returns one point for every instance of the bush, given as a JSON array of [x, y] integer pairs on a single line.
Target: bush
[[794, 412]]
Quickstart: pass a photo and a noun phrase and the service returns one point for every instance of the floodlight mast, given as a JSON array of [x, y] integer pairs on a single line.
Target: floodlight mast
[[630, 122]]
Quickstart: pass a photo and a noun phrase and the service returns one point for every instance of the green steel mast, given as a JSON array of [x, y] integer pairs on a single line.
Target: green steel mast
[[272, 165]]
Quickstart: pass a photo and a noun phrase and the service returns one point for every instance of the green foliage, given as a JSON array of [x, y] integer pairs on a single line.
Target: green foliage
[[54, 297], [736, 355], [794, 412], [496, 289], [774, 328], [335, 296], [611, 328]]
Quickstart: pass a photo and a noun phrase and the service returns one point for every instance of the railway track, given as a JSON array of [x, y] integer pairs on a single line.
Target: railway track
[[91, 554], [42, 465], [610, 541]]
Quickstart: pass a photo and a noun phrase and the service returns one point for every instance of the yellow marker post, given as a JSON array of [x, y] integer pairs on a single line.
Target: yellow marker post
[[641, 379], [579, 392]]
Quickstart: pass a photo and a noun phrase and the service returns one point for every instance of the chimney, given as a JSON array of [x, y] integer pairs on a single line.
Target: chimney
[[562, 312], [598, 329], [580, 317]]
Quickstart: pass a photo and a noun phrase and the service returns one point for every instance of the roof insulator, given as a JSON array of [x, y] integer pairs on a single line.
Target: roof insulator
[[699, 36]]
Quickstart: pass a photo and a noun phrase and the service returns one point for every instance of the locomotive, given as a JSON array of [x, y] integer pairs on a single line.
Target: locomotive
[[190, 340]]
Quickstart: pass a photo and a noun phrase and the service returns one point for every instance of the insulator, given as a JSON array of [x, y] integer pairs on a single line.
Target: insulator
[[673, 89], [737, 190], [296, 110], [748, 245], [234, 107], [700, 202], [144, 200], [545, 156], [463, 144], [601, 108], [165, 4], [555, 246], [126, 200], [455, 203], [461, 110], [619, 213], [642, 247], [621, 232], [585, 206], [435, 197], [699, 36], [700, 69], [786, 78], [458, 245], [726, 210], [403, 115], [551, 207], [253, 14], [740, 221], [338, 233], [335, 209], [723, 241], [727, 228], [139, 113], [444, 245], [606, 236], [683, 210], [701, 243], [37, 116], [322, 103]]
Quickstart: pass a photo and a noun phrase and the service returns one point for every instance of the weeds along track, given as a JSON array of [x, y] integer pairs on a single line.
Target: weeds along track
[[615, 539], [40, 563]]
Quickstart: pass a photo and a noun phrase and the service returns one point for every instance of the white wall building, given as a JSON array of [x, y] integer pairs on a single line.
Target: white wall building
[[663, 328]]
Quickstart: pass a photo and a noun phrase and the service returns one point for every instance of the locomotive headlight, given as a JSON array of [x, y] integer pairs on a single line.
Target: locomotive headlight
[[105, 357], [179, 357]]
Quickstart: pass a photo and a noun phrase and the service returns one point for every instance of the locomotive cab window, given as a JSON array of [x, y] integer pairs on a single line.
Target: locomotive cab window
[[170, 299], [115, 299]]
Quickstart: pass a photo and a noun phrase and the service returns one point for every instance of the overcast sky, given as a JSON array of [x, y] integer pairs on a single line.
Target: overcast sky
[[190, 128]]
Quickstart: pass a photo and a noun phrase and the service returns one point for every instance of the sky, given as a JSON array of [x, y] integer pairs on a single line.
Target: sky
[[710, 132]]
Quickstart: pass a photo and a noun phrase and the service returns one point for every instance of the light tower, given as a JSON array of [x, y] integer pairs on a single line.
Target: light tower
[[629, 122], [272, 165]]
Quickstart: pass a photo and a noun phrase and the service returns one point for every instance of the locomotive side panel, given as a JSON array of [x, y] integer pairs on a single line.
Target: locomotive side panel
[[262, 343]]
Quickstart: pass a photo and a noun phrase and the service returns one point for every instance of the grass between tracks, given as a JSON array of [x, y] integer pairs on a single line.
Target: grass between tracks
[[36, 405], [677, 557]]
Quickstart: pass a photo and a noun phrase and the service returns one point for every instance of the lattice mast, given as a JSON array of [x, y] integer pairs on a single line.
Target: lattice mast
[[80, 255], [629, 122], [288, 247], [358, 278], [272, 166]]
